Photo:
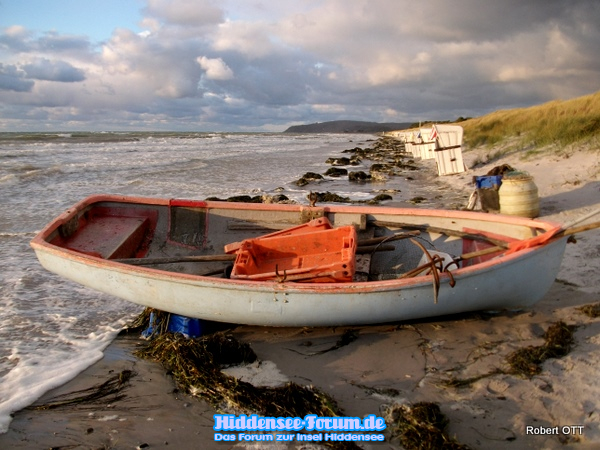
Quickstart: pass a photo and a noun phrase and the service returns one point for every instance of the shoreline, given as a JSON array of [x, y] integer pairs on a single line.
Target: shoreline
[[389, 363]]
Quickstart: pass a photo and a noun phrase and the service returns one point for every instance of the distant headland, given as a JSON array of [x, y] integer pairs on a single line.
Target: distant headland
[[347, 126]]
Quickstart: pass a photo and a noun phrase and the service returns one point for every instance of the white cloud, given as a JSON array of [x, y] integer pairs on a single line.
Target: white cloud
[[249, 39], [16, 31], [215, 68]]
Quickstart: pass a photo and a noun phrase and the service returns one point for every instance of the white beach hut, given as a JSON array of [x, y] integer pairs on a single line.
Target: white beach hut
[[448, 152], [409, 143], [427, 145]]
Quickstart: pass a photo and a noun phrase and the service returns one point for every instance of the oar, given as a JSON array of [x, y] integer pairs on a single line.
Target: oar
[[485, 251], [175, 259], [389, 238], [446, 231], [366, 249], [579, 229], [561, 232], [567, 230], [216, 258], [581, 219]]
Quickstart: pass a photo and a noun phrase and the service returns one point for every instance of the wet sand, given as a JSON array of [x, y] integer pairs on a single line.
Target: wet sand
[[387, 364]]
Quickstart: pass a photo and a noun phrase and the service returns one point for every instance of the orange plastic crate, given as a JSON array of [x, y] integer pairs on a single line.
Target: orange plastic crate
[[322, 256], [322, 223]]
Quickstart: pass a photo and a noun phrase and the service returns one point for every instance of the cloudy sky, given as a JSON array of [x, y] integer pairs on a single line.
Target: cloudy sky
[[262, 65]]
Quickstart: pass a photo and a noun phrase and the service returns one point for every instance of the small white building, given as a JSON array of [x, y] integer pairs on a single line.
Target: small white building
[[448, 151], [427, 145]]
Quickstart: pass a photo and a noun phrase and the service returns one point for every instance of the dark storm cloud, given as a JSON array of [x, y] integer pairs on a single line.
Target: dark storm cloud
[[242, 65], [11, 79]]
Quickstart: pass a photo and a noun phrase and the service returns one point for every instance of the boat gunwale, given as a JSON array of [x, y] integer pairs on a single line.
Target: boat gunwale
[[40, 243]]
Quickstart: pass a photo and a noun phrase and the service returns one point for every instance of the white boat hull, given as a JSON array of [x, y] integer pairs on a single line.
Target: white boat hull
[[513, 281]]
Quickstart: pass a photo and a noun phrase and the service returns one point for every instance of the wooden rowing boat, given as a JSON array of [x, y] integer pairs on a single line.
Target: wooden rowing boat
[[381, 264]]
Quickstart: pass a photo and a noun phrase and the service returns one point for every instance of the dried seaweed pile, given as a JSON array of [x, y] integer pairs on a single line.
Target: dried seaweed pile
[[591, 311], [422, 426], [196, 366], [527, 361], [142, 321]]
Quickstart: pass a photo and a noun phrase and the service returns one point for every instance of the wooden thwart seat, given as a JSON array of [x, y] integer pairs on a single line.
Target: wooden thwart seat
[[110, 237]]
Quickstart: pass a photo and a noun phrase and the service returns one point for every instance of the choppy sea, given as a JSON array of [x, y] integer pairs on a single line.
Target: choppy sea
[[52, 329]]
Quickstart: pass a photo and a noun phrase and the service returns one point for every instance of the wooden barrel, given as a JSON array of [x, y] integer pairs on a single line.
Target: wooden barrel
[[519, 196]]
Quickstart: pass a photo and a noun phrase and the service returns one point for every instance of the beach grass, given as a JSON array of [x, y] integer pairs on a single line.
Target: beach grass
[[559, 123]]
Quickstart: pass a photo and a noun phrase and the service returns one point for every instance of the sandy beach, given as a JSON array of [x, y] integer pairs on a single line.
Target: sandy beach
[[400, 363]]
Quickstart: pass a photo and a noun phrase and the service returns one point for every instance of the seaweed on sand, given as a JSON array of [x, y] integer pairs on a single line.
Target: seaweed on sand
[[422, 426], [462, 382], [527, 361], [347, 338], [158, 320], [591, 311], [108, 392], [196, 366]]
